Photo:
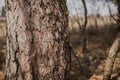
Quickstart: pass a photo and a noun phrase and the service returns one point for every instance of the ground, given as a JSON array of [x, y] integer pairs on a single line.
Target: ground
[[99, 42]]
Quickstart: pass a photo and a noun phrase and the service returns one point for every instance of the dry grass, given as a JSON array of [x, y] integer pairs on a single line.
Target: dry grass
[[95, 22], [2, 29]]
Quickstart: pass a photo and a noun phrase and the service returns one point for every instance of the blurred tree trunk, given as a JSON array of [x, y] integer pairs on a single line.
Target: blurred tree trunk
[[113, 51], [3, 12], [111, 58], [118, 3], [84, 36], [37, 40]]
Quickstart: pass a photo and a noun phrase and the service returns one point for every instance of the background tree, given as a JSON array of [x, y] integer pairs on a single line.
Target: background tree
[[118, 3], [37, 40], [113, 51], [83, 26], [84, 40], [3, 12], [111, 58]]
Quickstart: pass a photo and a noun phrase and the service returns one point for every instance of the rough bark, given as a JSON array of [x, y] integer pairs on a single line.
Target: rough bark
[[37, 40]]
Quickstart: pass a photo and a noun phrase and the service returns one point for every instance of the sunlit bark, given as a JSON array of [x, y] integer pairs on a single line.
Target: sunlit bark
[[37, 40]]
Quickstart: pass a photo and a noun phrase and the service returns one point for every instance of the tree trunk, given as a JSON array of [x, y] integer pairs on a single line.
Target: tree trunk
[[111, 58], [113, 51], [37, 40], [118, 3], [84, 37]]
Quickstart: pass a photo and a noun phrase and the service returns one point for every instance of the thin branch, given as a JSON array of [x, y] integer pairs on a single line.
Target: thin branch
[[111, 14], [85, 13], [84, 28]]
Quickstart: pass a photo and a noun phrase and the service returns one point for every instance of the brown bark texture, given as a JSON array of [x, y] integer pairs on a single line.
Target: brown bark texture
[[37, 40]]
